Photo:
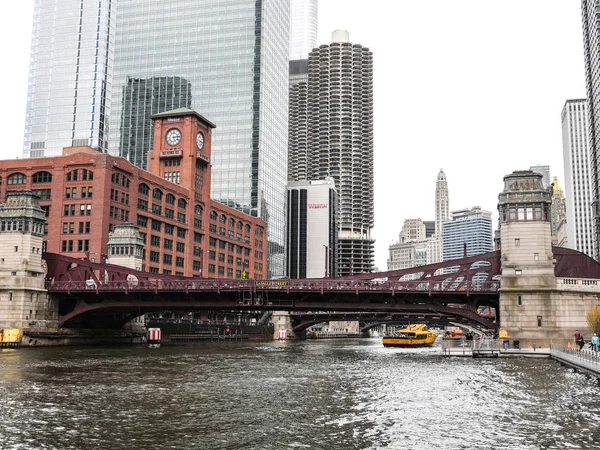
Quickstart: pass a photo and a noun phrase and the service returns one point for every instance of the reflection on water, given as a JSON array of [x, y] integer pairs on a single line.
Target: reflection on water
[[324, 394]]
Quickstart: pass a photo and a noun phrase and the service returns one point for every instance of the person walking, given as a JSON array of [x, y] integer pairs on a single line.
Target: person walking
[[595, 342], [580, 342], [577, 336]]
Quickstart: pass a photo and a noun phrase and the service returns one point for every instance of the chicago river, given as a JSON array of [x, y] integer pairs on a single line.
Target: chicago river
[[326, 394]]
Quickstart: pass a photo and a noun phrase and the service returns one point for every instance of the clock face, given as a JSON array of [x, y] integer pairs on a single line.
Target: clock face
[[200, 140], [173, 136]]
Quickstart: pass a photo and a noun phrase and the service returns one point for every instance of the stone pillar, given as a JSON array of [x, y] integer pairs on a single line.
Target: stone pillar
[[282, 323], [126, 248], [24, 301], [527, 308]]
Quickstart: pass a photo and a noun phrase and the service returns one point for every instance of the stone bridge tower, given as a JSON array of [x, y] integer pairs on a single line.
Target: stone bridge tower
[[536, 307], [24, 303]]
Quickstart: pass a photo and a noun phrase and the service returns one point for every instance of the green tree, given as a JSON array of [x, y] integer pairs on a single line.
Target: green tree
[[593, 320]]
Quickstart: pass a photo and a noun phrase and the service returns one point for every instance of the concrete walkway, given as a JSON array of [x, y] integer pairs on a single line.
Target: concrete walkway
[[585, 361]]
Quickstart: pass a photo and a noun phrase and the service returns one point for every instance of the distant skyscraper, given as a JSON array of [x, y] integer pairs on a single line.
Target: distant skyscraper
[[139, 102], [591, 53], [298, 121], [442, 214], [577, 165], [411, 248], [303, 28], [442, 202], [70, 76], [470, 228], [545, 171], [340, 133], [559, 216], [232, 59], [312, 229]]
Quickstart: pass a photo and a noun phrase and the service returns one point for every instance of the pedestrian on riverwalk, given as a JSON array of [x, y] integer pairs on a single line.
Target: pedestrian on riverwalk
[[595, 340], [577, 336], [580, 342]]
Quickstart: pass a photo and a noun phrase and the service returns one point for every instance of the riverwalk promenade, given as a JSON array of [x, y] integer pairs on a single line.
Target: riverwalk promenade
[[586, 361]]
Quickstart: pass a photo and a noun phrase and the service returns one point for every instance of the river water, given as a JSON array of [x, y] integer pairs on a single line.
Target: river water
[[326, 394]]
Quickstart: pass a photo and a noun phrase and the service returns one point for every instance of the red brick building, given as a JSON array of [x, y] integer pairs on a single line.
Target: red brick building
[[86, 193]]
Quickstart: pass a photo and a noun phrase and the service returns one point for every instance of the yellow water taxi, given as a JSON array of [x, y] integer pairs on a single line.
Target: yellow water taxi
[[416, 335]]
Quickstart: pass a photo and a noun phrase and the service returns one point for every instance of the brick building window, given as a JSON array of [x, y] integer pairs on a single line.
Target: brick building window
[[155, 241], [211, 255], [142, 221], [179, 261], [157, 194], [142, 204], [181, 232], [143, 189], [156, 225], [181, 203], [154, 256], [170, 199], [168, 244], [168, 228], [180, 247], [168, 259], [41, 177], [196, 266], [211, 268]]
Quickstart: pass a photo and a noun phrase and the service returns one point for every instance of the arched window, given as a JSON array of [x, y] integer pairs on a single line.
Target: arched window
[[213, 215], [73, 175], [247, 228], [143, 189], [231, 222], [223, 218], [157, 194], [16, 178], [240, 225], [198, 210], [181, 203], [87, 174], [41, 177], [170, 199]]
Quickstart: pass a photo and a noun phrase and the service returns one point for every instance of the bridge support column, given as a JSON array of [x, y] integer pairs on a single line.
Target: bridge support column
[[282, 325], [26, 310]]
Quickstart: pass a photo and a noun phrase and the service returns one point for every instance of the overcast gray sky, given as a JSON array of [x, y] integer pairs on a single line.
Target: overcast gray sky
[[475, 87]]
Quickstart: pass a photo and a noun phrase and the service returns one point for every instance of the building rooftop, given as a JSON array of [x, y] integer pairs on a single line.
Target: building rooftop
[[183, 112]]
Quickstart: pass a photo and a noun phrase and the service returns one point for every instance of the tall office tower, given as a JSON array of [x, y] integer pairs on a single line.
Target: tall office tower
[[298, 121], [442, 214], [442, 202], [234, 58], [545, 171], [559, 216], [591, 53], [470, 230], [70, 76], [303, 28], [139, 102], [340, 133], [576, 157], [312, 229]]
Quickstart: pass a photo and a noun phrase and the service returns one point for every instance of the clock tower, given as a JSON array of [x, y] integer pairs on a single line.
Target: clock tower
[[181, 153]]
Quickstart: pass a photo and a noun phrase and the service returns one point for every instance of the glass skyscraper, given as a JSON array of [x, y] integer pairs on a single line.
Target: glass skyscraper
[[303, 28], [228, 60], [70, 73]]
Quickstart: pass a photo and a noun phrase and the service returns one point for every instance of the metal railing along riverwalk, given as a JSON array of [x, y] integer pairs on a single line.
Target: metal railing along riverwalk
[[482, 347], [584, 360]]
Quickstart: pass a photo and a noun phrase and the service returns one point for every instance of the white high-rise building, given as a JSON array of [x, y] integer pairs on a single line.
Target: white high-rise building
[[303, 28], [591, 53], [70, 76], [312, 229], [577, 165], [442, 214], [411, 248]]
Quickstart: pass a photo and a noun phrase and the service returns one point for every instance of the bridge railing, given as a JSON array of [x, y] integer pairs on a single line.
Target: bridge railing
[[329, 285], [586, 284]]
